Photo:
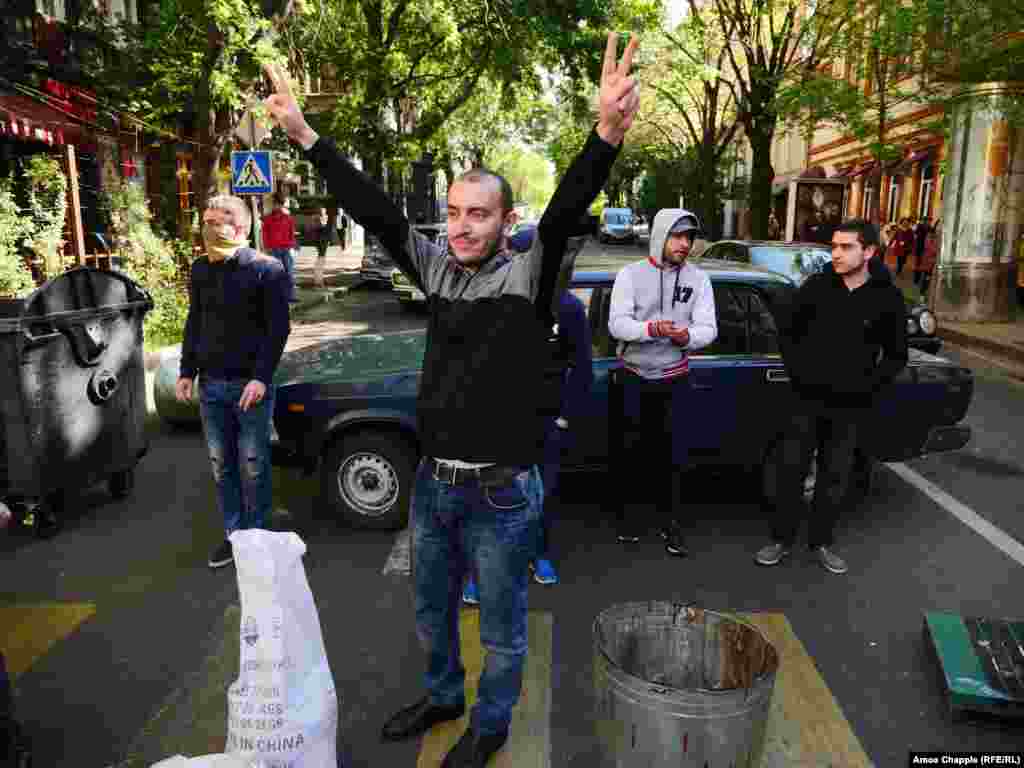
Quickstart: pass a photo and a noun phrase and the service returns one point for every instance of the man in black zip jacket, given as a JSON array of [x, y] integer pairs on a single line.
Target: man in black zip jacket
[[843, 341], [481, 411], [235, 334]]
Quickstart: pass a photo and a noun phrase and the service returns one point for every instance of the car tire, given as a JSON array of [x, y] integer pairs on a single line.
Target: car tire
[[121, 483], [366, 479]]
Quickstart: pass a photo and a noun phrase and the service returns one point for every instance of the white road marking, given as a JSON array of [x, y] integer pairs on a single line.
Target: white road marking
[[995, 536], [398, 560]]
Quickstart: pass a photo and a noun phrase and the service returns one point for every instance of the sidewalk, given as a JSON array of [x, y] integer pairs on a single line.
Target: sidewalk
[[1003, 342], [337, 263]]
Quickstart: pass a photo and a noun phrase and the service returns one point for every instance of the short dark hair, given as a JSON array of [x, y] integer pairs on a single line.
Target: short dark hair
[[867, 233], [279, 198], [482, 174]]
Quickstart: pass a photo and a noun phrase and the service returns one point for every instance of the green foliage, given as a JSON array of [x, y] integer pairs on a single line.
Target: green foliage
[[528, 173], [15, 276], [47, 206], [407, 71], [150, 261]]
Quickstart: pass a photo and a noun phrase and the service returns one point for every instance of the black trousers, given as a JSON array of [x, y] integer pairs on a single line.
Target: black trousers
[[645, 483], [834, 433]]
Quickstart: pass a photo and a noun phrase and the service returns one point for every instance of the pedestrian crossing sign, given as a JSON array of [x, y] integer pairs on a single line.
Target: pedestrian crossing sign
[[251, 173]]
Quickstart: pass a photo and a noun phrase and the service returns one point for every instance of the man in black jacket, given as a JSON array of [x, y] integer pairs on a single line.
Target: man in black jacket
[[843, 341], [481, 411], [235, 334]]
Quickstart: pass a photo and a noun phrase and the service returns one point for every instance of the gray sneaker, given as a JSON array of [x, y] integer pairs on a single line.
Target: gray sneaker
[[831, 560], [772, 554]]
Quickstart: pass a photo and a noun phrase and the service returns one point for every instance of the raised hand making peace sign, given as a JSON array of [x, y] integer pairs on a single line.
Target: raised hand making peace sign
[[619, 97], [284, 109]]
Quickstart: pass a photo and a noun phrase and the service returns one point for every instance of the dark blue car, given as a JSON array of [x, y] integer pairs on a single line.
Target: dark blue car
[[347, 407]]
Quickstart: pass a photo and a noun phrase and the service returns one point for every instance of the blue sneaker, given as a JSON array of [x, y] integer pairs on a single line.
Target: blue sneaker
[[544, 572], [470, 595]]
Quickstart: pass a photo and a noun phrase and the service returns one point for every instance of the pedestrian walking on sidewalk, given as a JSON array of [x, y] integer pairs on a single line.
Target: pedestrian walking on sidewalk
[[662, 309], [342, 225], [843, 341], [324, 234], [279, 239], [482, 412], [929, 258], [235, 333]]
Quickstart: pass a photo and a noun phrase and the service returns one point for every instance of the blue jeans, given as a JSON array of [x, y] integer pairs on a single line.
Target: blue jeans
[[285, 256], [492, 531], [239, 445], [554, 447]]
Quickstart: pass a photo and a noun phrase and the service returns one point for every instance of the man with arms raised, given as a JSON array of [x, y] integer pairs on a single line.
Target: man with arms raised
[[843, 341], [481, 416]]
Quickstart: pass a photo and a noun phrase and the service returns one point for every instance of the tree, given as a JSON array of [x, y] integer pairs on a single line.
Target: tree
[[404, 69], [776, 47], [194, 58], [696, 111], [528, 173]]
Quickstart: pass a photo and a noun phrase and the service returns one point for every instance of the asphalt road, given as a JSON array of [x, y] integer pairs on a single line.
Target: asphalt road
[[124, 639]]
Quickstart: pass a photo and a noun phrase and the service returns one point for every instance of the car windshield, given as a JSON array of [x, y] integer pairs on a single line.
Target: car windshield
[[619, 218], [796, 262]]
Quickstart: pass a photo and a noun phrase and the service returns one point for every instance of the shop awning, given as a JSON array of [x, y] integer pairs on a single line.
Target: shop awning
[[863, 168], [26, 119], [917, 156]]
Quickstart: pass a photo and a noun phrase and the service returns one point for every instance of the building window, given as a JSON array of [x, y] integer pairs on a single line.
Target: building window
[[894, 199], [924, 209], [869, 199]]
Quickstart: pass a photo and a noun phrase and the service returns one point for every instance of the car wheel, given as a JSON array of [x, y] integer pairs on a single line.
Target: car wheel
[[367, 479], [122, 483]]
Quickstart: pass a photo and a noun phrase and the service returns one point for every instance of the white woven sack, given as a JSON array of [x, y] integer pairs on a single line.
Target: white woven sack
[[282, 709]]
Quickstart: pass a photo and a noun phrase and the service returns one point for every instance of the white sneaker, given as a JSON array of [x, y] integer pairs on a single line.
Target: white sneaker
[[831, 561], [773, 554]]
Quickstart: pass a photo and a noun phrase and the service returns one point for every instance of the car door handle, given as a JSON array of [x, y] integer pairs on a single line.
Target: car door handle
[[774, 374]]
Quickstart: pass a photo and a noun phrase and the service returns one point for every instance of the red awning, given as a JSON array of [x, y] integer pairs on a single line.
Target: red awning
[[863, 168], [26, 119]]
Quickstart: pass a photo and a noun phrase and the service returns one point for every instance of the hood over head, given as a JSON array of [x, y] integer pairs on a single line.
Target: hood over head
[[671, 220]]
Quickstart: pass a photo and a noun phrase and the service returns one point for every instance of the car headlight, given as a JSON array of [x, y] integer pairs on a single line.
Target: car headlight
[[927, 322], [911, 326]]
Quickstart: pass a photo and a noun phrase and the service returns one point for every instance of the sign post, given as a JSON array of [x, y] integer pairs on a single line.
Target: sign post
[[252, 134], [252, 173]]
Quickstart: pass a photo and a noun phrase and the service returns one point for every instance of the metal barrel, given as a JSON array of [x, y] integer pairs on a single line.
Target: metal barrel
[[676, 685]]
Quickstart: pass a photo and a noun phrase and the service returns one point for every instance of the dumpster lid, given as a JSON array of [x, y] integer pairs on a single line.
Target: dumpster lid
[[80, 293]]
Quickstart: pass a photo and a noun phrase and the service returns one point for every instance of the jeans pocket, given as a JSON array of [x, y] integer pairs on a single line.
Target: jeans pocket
[[507, 497]]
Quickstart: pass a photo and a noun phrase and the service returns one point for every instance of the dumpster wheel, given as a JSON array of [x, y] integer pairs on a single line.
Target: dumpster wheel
[[121, 483]]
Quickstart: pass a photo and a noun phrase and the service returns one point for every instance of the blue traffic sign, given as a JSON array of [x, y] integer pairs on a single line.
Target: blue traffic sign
[[251, 173]]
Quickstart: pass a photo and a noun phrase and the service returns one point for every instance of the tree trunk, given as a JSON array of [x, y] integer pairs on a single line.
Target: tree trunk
[[759, 134]]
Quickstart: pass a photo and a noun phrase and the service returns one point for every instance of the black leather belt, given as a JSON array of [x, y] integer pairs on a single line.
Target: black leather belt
[[483, 477]]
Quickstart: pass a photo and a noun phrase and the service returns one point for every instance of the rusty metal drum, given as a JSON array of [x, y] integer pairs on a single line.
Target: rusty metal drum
[[676, 685]]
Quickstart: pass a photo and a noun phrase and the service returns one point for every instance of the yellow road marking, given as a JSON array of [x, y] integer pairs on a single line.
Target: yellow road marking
[[529, 742], [31, 630], [806, 727]]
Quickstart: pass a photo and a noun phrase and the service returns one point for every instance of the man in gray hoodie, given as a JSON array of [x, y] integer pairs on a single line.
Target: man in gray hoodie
[[662, 309]]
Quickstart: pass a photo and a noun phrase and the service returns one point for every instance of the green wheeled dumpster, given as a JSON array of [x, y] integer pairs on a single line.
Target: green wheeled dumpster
[[72, 389]]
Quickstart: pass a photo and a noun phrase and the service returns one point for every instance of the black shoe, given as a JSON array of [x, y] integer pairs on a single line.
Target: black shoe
[[222, 555], [474, 751], [419, 718], [674, 541]]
